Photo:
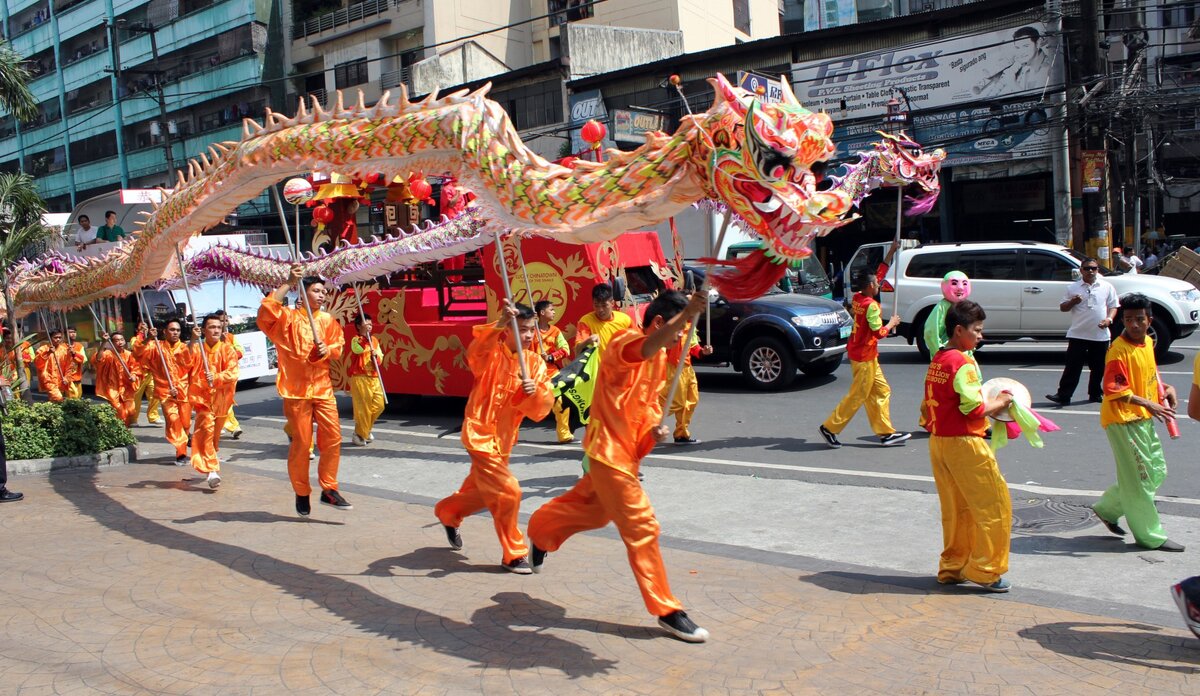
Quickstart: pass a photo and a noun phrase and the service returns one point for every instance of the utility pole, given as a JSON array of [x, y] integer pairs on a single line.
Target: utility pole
[[1095, 205], [114, 43], [164, 128]]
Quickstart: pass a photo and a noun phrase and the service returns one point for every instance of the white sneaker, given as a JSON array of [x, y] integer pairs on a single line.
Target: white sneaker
[[214, 479], [370, 438], [359, 441], [311, 455]]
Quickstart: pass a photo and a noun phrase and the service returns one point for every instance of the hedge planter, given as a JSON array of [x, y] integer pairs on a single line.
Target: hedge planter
[[74, 428], [113, 457]]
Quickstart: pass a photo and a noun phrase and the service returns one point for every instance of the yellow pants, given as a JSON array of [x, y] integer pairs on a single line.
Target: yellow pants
[[562, 422], [366, 395], [976, 510], [868, 389], [687, 397], [231, 423], [146, 388], [74, 390]]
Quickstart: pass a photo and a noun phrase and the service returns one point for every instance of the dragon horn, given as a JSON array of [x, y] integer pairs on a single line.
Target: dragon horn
[[403, 96], [301, 112], [251, 128], [340, 106], [726, 93], [362, 105], [381, 105], [789, 97]]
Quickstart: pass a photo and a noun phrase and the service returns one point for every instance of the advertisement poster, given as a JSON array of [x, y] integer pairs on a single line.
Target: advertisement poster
[[983, 97], [631, 125], [1093, 170], [586, 106]]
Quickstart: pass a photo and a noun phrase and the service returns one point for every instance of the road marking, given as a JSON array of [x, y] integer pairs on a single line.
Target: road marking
[[1059, 369], [1027, 488]]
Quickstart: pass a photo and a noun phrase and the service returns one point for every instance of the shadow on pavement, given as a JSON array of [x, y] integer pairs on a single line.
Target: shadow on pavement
[[365, 609], [519, 609], [1135, 644], [253, 517], [1077, 546], [848, 582], [441, 562], [180, 485], [550, 486], [778, 444]]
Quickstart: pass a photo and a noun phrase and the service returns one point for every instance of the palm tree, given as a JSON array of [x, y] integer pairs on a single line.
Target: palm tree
[[15, 96], [22, 235]]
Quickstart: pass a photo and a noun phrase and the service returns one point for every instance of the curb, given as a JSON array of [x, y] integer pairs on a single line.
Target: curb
[[112, 457]]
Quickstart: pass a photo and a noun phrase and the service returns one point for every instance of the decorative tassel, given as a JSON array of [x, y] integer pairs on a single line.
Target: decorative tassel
[[747, 278]]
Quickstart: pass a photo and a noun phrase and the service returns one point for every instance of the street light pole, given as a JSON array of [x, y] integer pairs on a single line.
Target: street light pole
[[162, 108]]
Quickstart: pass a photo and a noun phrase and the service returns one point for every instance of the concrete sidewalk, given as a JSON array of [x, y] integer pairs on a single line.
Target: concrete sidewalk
[[138, 579]]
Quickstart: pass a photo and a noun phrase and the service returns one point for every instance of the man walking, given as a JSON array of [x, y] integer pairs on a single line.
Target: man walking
[[1092, 302]]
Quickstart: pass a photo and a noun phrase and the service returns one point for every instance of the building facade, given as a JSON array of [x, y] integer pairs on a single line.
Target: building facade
[[189, 71]]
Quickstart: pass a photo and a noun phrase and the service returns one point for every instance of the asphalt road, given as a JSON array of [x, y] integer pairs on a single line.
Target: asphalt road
[[774, 435]]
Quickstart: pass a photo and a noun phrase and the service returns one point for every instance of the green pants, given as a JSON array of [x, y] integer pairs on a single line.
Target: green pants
[[1141, 469]]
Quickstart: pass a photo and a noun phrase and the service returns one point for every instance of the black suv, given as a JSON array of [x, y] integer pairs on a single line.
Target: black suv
[[767, 339]]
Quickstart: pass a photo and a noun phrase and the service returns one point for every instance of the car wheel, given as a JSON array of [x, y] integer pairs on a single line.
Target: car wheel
[[767, 364], [822, 367], [1161, 334], [919, 335]]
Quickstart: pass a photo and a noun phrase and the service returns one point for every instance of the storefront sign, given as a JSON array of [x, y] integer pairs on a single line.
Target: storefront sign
[[631, 126], [586, 106], [1093, 170], [752, 82]]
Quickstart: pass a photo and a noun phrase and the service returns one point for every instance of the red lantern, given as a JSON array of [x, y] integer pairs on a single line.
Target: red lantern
[[593, 132], [322, 215], [420, 188]]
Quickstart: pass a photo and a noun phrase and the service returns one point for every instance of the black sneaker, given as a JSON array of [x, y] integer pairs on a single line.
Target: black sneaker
[[7, 496], [679, 625], [520, 566], [453, 537], [1060, 400], [1096, 399], [893, 438], [689, 440], [537, 558], [183, 460], [1110, 526], [334, 499], [237, 434], [830, 439], [303, 507]]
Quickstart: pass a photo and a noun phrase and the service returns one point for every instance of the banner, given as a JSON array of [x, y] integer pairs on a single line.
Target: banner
[[587, 106], [575, 383], [631, 126], [1093, 170]]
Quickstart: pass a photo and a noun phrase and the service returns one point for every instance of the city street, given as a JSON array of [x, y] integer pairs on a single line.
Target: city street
[[812, 568]]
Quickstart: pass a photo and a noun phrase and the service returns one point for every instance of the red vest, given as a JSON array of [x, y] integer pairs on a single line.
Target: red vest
[[942, 401], [863, 343]]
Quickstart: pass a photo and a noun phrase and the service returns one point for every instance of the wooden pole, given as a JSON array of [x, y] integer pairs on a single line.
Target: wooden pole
[[312, 321], [187, 291], [516, 329], [378, 372], [113, 346]]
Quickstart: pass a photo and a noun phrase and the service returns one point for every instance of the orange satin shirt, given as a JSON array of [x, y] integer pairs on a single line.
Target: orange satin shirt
[[301, 374], [498, 403], [48, 368], [223, 363], [625, 405], [74, 367], [361, 364], [110, 376], [9, 357], [151, 354]]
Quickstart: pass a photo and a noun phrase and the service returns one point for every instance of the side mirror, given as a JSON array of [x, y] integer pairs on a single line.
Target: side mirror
[[1075, 274], [714, 297]]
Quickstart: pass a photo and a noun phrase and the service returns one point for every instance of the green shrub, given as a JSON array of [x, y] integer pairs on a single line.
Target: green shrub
[[74, 427]]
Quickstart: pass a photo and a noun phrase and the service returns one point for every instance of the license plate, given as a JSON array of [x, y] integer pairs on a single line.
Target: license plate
[[844, 331]]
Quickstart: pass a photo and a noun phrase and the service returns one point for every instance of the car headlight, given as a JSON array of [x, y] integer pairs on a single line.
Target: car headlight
[[1192, 295], [815, 320]]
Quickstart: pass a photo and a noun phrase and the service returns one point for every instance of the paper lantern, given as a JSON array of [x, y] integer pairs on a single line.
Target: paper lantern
[[593, 132], [322, 214], [297, 191], [420, 188]]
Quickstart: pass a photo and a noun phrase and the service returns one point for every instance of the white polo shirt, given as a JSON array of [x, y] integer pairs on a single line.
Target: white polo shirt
[[83, 236], [1098, 298]]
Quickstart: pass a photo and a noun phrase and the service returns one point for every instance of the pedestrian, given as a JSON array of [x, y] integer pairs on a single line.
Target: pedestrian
[[74, 367], [1133, 398], [6, 496], [85, 234], [554, 350], [50, 361], [231, 422], [1187, 598], [305, 384], [976, 509], [366, 392], [956, 287], [211, 386], [602, 323], [868, 387], [11, 367], [500, 399], [625, 425], [170, 361], [110, 231], [1092, 302], [113, 384], [146, 388], [687, 394]]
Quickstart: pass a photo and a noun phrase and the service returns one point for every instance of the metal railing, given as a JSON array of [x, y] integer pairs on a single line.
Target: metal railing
[[395, 78], [337, 18]]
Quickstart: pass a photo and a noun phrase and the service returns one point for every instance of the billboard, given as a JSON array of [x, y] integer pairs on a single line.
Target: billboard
[[586, 106], [982, 97], [631, 125]]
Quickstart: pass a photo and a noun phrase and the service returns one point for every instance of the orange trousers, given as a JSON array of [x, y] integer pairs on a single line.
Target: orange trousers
[[489, 485], [300, 414], [206, 440], [178, 424], [604, 495], [123, 405]]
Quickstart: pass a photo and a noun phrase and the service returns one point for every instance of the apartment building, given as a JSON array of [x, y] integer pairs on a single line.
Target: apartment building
[[200, 62]]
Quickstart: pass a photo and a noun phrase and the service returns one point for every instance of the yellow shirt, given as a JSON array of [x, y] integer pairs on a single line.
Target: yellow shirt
[[1129, 368], [590, 325]]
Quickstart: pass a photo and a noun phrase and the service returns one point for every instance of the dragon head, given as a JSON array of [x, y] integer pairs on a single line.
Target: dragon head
[[904, 163], [760, 166]]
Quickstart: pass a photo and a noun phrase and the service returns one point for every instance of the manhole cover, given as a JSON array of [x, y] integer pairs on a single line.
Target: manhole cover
[[1050, 517]]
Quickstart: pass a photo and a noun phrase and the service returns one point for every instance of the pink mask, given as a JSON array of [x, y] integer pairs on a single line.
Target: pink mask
[[956, 286]]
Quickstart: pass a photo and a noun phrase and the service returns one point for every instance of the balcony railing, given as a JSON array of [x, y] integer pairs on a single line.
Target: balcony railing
[[337, 18], [395, 78]]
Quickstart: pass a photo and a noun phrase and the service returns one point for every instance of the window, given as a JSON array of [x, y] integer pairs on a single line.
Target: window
[[642, 282], [350, 74], [563, 11], [933, 265], [533, 105], [741, 16], [1040, 265], [1001, 264]]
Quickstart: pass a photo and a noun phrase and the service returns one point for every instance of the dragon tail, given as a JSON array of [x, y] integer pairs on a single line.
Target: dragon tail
[[747, 278]]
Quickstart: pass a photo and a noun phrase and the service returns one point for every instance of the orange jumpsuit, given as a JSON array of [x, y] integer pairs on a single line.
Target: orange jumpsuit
[[178, 357], [8, 359], [113, 385], [74, 370], [495, 409], [626, 409], [306, 388], [53, 370], [211, 403]]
